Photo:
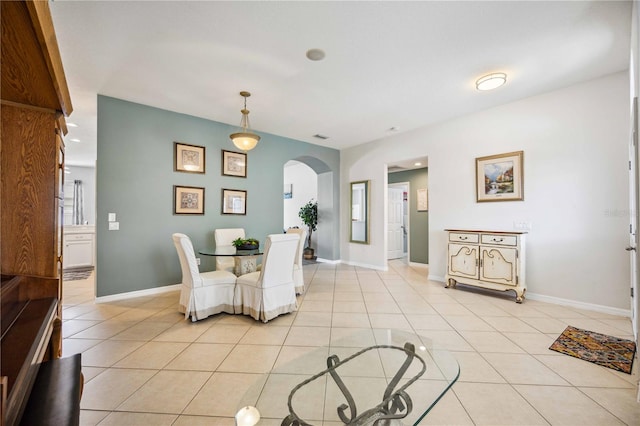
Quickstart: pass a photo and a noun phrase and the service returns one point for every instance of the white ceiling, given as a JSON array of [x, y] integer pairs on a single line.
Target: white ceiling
[[388, 63]]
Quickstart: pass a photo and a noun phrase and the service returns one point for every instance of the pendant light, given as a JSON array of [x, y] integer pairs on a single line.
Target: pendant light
[[245, 140]]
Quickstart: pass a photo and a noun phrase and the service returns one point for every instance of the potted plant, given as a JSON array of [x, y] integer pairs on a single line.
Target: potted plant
[[246, 243], [309, 215]]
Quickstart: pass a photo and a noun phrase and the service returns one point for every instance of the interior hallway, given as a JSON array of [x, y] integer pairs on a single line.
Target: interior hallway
[[145, 365]]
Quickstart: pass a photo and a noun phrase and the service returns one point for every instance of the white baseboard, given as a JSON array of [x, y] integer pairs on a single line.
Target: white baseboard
[[580, 305], [365, 265], [419, 265], [139, 293], [332, 262], [436, 278]]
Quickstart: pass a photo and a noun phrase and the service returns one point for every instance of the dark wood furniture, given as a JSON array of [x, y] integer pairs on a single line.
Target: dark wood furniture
[[34, 101]]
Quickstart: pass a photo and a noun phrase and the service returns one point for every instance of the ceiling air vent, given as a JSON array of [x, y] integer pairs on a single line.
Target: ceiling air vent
[[319, 136]]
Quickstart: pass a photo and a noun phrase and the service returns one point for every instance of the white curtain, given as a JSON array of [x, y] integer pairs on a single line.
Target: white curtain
[[78, 203]]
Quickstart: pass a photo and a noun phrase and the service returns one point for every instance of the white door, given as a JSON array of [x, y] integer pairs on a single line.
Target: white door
[[634, 203], [394, 225]]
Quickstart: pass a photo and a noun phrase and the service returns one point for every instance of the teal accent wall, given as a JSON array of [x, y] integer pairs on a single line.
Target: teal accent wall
[[418, 221], [135, 178]]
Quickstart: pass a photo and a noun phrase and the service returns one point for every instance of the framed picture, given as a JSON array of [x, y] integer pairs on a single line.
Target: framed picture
[[234, 164], [500, 177], [423, 205], [234, 201], [188, 158], [288, 191], [188, 200]]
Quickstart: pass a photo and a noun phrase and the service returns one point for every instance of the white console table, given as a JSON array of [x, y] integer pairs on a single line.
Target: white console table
[[489, 259]]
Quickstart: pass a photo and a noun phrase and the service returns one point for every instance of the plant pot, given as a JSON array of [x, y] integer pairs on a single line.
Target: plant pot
[[248, 247], [308, 253]]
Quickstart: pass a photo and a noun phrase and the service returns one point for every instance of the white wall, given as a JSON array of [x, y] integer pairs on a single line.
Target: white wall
[[305, 187], [575, 143], [88, 177]]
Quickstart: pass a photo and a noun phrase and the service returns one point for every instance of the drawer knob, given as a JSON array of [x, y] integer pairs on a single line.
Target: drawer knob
[[463, 237], [498, 240]]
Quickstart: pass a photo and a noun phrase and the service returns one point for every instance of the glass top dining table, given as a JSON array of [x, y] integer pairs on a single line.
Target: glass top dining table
[[245, 261], [363, 375]]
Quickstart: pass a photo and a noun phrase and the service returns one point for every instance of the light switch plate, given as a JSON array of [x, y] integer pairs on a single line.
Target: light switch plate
[[112, 217], [114, 226]]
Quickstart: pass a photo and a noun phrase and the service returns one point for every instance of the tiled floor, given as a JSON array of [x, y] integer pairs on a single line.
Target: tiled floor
[[145, 365]]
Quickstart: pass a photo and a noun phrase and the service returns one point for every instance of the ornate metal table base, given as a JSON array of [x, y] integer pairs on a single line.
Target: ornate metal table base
[[396, 404]]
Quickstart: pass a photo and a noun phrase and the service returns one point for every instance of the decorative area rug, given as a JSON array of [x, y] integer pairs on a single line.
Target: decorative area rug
[[601, 349], [77, 274]]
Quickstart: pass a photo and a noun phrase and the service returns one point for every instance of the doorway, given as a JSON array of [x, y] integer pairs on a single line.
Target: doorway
[[397, 220]]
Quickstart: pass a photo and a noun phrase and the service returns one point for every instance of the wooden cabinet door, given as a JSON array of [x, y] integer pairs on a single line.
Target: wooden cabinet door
[[499, 265], [463, 260]]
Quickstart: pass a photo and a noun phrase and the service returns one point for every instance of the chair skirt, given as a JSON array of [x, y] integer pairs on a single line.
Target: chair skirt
[[298, 279], [202, 302], [264, 304]]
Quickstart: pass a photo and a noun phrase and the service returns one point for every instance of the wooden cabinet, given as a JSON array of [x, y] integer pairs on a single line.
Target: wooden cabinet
[[488, 259], [34, 102]]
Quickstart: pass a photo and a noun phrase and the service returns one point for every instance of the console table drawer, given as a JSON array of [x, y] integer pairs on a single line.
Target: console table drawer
[[463, 237], [499, 240]]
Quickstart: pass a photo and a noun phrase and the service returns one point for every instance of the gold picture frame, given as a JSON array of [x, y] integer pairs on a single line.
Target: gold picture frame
[[188, 158], [500, 177], [234, 164], [234, 201], [188, 200]]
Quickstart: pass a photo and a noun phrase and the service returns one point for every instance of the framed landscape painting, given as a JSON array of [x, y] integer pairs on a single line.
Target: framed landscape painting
[[500, 177], [188, 200], [188, 158]]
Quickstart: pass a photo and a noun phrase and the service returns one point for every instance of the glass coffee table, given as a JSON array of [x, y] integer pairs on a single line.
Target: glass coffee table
[[363, 376]]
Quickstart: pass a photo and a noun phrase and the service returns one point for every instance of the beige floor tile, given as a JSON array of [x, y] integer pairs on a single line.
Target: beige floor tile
[[265, 334], [108, 352], [89, 373], [366, 392], [73, 312], [428, 322], [75, 346], [509, 324], [416, 307], [138, 419], [104, 330], [319, 296], [184, 331], [576, 408], [475, 368], [445, 309], [489, 341], [145, 330], [201, 357], [487, 310], [396, 321], [301, 360], [72, 327], [533, 343], [250, 359], [597, 326], [352, 337], [545, 325], [448, 339], [623, 325], [316, 306], [622, 403], [496, 404], [355, 306], [583, 373], [523, 369], [307, 401], [308, 336], [447, 412], [153, 355], [341, 319], [206, 421], [378, 307], [348, 297], [166, 392], [367, 364], [468, 323], [313, 319], [92, 417], [225, 393], [110, 388], [222, 333]]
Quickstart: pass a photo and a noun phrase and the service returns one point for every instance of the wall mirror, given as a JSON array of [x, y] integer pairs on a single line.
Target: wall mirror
[[360, 212]]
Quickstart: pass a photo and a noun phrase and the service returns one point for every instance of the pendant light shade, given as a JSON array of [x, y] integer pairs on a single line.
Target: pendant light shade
[[245, 140]]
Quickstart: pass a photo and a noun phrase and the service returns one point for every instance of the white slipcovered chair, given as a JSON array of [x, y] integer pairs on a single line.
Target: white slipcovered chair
[[298, 275], [202, 294], [223, 238], [270, 292]]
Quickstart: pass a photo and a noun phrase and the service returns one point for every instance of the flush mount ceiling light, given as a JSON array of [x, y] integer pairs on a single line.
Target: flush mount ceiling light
[[315, 54], [245, 139], [491, 81]]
